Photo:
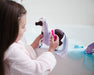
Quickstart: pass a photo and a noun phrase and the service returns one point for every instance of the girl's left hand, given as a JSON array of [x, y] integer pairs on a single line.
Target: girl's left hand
[[35, 44]]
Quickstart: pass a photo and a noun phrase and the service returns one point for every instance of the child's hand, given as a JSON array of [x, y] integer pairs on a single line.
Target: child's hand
[[35, 44], [53, 43]]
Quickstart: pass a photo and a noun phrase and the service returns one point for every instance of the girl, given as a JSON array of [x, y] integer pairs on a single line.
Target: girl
[[16, 58]]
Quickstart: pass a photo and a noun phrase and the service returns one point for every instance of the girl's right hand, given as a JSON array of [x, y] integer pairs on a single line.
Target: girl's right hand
[[53, 43]]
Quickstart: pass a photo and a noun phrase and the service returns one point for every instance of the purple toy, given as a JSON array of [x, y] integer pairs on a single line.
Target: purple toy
[[63, 42], [90, 49], [46, 33]]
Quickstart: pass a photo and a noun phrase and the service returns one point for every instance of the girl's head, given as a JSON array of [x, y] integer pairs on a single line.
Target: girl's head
[[12, 26]]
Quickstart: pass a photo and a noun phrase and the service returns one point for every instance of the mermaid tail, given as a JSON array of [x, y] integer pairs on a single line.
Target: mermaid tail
[[78, 52], [88, 62]]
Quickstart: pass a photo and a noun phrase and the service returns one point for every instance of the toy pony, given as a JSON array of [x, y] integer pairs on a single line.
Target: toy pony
[[46, 36]]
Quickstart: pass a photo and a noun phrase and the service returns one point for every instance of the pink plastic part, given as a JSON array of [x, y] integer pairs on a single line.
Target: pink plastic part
[[53, 34]]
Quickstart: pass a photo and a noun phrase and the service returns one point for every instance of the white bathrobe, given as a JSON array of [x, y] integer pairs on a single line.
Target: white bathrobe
[[21, 59]]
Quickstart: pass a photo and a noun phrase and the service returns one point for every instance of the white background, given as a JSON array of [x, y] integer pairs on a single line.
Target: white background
[[61, 11]]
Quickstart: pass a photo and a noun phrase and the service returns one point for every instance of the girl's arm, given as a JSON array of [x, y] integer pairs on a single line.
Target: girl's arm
[[22, 64]]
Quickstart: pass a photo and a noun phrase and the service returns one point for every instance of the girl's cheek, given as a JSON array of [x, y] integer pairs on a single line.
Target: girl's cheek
[[24, 29]]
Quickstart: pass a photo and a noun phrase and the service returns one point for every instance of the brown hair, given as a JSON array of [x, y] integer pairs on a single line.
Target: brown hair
[[10, 11]]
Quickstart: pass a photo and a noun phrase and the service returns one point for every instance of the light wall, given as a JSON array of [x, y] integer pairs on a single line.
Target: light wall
[[61, 12]]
